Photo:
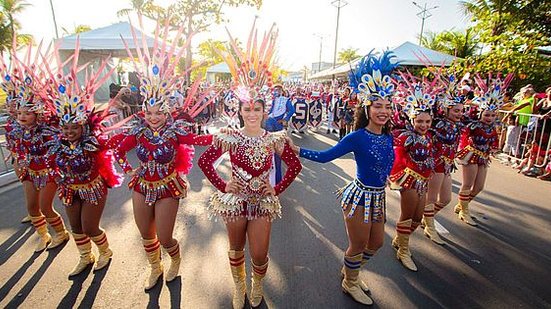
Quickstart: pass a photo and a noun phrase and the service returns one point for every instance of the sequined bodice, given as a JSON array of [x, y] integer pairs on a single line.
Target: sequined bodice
[[75, 163]]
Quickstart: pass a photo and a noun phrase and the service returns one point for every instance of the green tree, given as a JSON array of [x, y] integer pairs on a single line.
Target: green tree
[[77, 29], [143, 7], [513, 42], [198, 15], [458, 43], [9, 25], [348, 55]]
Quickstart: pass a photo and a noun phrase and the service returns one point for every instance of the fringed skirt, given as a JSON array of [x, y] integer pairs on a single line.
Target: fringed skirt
[[171, 186], [231, 206], [445, 166], [38, 178], [91, 192], [408, 179], [372, 199], [471, 155]]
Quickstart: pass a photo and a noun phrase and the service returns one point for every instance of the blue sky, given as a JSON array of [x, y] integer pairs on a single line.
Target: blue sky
[[364, 24]]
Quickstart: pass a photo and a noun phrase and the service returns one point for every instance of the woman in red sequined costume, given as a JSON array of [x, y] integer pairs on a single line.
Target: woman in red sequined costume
[[478, 140], [84, 164], [248, 202], [163, 144], [414, 161], [11, 125], [445, 136], [29, 140]]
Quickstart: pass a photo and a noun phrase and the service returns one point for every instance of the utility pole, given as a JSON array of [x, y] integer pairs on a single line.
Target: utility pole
[[55, 22], [320, 36], [338, 4], [423, 14]]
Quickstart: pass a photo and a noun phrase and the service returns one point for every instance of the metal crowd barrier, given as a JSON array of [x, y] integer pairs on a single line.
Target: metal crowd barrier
[[530, 135]]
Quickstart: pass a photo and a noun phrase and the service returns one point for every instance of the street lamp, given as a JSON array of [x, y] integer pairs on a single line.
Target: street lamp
[[423, 14], [338, 4]]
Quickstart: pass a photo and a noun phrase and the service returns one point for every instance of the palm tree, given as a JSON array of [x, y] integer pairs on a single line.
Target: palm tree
[[9, 24], [78, 29], [347, 55], [458, 43]]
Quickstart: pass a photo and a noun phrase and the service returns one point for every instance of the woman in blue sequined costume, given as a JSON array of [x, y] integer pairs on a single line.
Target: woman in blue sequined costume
[[363, 200]]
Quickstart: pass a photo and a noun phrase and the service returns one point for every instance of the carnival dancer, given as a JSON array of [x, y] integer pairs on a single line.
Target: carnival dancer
[[248, 202], [30, 140], [340, 107], [445, 131], [11, 126], [84, 163], [162, 143], [478, 140], [348, 111], [363, 200], [414, 160]]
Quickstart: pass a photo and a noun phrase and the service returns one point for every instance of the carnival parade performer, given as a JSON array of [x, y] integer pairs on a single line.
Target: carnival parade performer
[[162, 143], [349, 107], [340, 106], [80, 154], [446, 130], [9, 87], [29, 140], [279, 114], [363, 200], [248, 202], [414, 162], [478, 140]]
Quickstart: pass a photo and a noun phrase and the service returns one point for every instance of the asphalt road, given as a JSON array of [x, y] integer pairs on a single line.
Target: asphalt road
[[503, 263]]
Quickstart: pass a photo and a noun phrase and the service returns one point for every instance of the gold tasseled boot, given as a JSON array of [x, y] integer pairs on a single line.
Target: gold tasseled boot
[[237, 265], [257, 292], [464, 213], [39, 224], [367, 254], [175, 258], [403, 229], [153, 251], [61, 235], [105, 253], [350, 284], [86, 257], [428, 222]]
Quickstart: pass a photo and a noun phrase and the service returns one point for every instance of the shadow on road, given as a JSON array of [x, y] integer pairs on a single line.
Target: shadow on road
[[33, 281], [10, 246]]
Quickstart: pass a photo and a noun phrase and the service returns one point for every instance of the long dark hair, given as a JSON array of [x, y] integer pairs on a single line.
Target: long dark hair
[[257, 100], [361, 119]]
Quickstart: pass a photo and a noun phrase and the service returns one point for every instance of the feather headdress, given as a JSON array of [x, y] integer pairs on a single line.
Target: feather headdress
[[493, 91], [157, 69], [371, 78], [70, 101], [417, 95], [251, 68]]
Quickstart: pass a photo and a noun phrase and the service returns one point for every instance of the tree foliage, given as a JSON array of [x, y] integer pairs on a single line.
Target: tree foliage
[[511, 39], [348, 55], [461, 44], [9, 25], [76, 30]]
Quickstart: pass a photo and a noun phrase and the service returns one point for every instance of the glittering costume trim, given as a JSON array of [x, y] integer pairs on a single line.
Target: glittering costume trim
[[471, 155], [449, 165], [38, 178], [171, 186], [409, 179], [231, 206], [92, 191], [374, 200]]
